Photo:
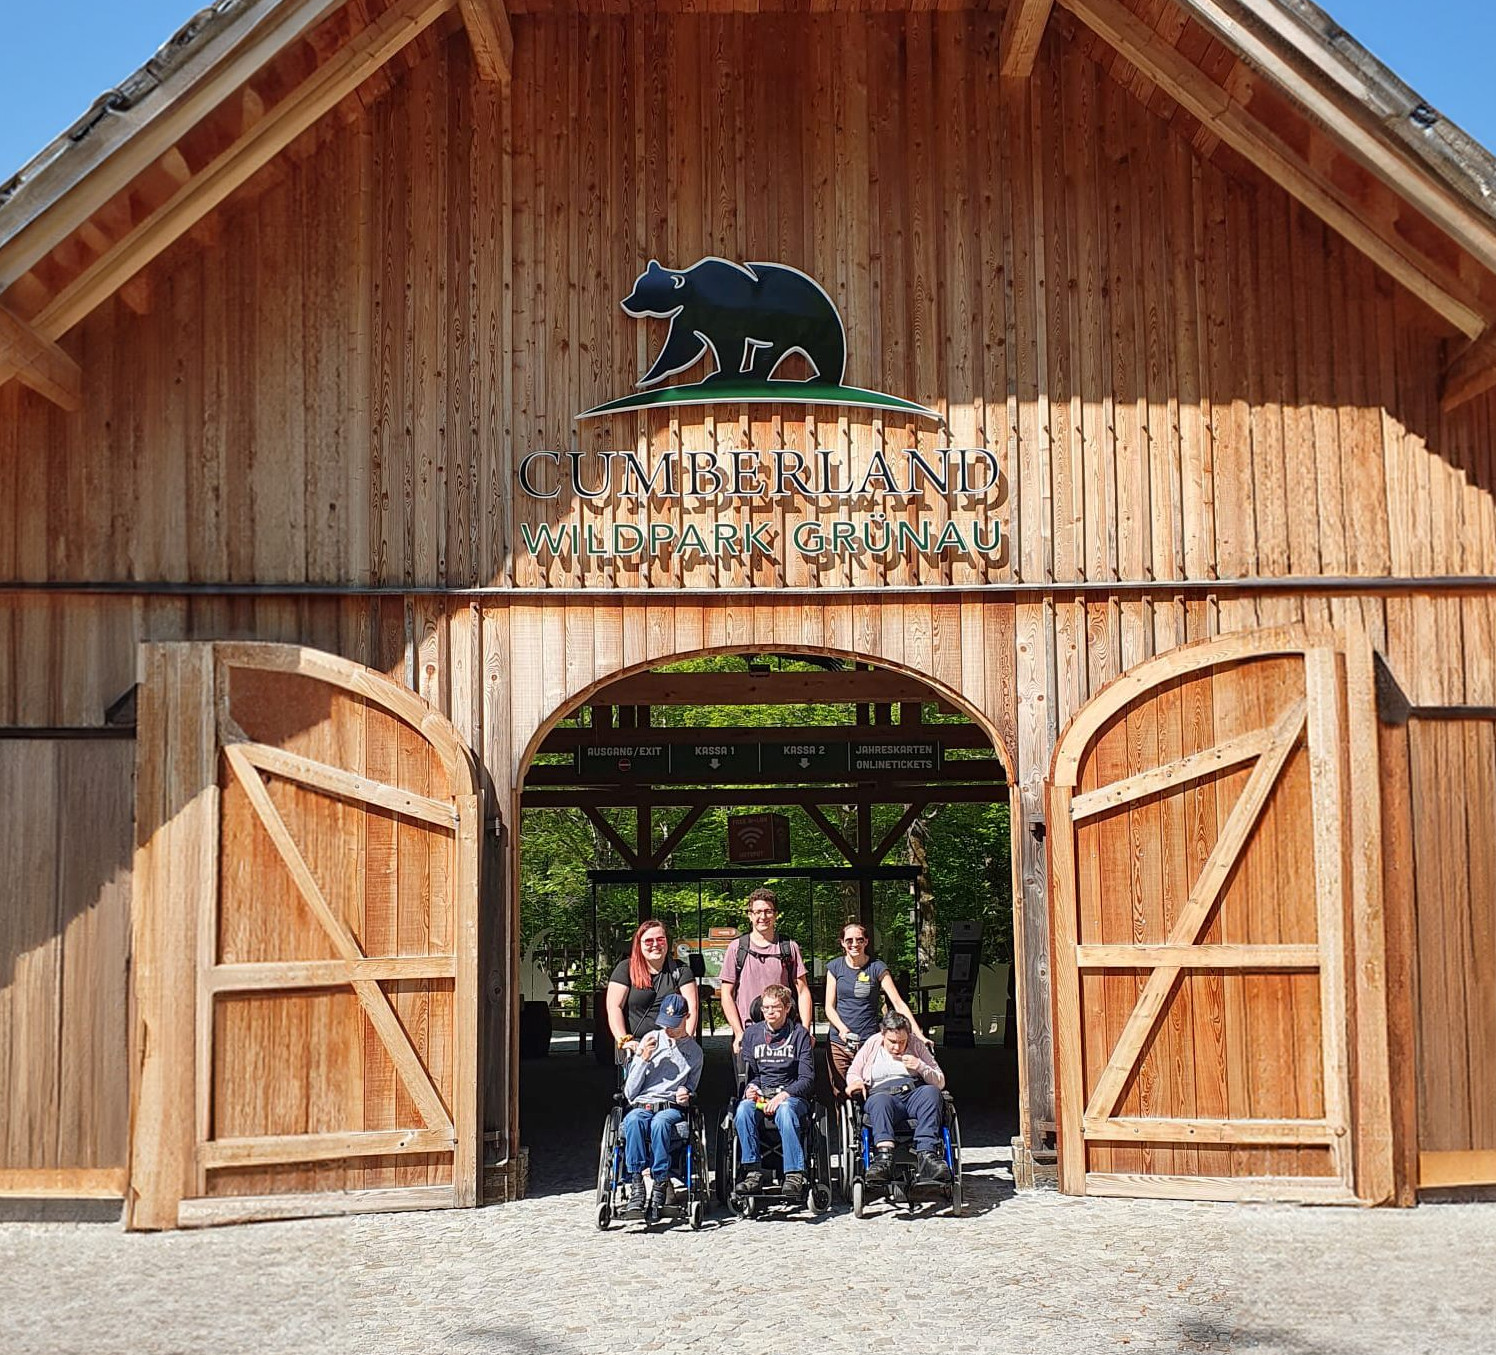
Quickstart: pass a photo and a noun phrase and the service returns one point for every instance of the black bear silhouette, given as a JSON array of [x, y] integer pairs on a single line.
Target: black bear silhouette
[[750, 316]]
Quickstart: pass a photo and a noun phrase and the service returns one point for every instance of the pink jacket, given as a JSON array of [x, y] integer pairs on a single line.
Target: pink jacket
[[929, 1070]]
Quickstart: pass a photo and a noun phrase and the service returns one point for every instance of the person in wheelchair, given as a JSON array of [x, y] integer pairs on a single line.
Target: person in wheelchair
[[779, 1074], [898, 1075], [663, 1071]]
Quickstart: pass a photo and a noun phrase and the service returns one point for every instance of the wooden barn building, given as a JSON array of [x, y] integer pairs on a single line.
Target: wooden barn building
[[359, 419]]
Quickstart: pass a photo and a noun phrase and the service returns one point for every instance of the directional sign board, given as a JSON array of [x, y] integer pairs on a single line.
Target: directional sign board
[[713, 764], [894, 759], [709, 763], [624, 761], [803, 761]]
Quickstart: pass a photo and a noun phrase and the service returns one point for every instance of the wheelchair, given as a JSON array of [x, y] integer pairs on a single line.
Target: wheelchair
[[771, 1195], [901, 1188], [688, 1200]]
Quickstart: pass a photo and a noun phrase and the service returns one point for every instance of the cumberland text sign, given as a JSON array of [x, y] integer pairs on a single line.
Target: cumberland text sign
[[858, 498]]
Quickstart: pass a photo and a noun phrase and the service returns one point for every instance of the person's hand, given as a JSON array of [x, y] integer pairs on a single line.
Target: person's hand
[[682, 1096], [752, 1092], [737, 1042], [648, 1045], [911, 1062], [778, 1099], [856, 1086]]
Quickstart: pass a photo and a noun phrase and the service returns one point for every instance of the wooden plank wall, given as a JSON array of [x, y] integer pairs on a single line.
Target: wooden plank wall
[[1452, 772], [1190, 377], [65, 835]]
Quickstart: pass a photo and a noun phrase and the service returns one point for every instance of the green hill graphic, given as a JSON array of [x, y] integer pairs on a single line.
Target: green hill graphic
[[720, 392]]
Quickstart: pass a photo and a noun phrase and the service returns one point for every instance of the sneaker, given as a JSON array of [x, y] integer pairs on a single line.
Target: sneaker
[[636, 1197], [656, 1202], [880, 1169], [794, 1186], [752, 1182], [932, 1168]]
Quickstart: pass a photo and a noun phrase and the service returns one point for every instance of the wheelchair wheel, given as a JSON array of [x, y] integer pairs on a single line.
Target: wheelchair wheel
[[822, 1160], [859, 1199], [697, 1214], [604, 1215], [957, 1199], [605, 1165], [849, 1148]]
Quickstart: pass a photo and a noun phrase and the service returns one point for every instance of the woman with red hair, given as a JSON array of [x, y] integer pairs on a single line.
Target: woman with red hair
[[638, 983]]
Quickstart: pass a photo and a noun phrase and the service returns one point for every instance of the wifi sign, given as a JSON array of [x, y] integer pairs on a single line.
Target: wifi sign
[[758, 838]]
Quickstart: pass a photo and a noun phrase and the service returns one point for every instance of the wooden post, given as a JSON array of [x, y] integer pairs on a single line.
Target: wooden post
[[175, 881]]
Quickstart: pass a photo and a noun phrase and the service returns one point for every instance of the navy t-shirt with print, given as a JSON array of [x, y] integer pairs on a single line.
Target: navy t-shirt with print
[[642, 1010], [857, 996]]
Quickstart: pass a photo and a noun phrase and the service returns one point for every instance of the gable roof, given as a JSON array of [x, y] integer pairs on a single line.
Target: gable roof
[[1277, 81]]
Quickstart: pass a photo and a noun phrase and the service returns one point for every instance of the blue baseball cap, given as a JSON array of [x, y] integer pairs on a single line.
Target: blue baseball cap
[[673, 1011]]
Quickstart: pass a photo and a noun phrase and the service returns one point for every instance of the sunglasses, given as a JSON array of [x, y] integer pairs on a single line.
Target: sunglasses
[[655, 941]]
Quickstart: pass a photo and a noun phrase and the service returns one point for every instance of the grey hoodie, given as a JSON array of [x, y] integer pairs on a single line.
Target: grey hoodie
[[675, 1064]]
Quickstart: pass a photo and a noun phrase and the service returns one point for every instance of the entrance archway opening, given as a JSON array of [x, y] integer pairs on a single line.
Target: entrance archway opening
[[851, 789]]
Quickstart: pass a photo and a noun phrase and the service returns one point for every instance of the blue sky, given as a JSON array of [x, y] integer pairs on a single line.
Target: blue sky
[[63, 54]]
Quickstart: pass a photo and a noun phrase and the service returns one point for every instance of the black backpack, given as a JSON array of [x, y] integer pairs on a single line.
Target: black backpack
[[787, 962]]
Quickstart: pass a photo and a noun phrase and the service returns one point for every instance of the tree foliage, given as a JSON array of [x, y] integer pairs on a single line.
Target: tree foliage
[[967, 849]]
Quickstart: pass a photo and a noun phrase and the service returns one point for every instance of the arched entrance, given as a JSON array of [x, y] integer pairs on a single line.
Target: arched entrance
[[616, 710]]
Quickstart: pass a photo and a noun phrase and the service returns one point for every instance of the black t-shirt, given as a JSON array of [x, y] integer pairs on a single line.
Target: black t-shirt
[[641, 1012], [858, 996]]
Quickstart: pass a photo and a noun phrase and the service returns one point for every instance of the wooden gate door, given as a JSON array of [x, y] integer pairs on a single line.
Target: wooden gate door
[[305, 927], [1202, 856]]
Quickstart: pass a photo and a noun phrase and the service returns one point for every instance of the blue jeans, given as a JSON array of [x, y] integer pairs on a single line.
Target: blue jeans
[[789, 1119], [648, 1138], [923, 1107]]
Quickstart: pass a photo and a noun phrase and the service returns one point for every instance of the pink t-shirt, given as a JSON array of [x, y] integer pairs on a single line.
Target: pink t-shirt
[[761, 969]]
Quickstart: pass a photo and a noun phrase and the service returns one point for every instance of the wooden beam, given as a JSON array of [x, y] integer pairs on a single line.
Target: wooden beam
[[270, 1149], [762, 689], [264, 975], [1197, 957], [960, 771], [833, 834], [948, 735], [758, 796], [281, 125], [80, 185], [661, 854], [492, 39], [1022, 34], [38, 363], [348, 785], [1145, 1129], [615, 838], [1470, 1167], [313, 1204], [1471, 373], [62, 1183], [1185, 82], [1307, 1189], [1172, 775]]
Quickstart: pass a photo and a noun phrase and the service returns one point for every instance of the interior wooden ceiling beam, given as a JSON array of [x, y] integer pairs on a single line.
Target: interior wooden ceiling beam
[[281, 124], [760, 689], [1134, 40], [491, 38], [1022, 35], [948, 735], [37, 362], [1471, 373]]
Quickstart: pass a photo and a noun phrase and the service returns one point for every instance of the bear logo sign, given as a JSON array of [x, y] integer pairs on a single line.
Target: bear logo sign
[[741, 321]]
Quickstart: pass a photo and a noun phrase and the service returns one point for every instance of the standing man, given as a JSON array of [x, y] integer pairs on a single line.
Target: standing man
[[753, 962]]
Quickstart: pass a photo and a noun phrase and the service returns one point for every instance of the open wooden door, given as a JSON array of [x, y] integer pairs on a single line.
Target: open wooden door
[[305, 926], [1202, 855]]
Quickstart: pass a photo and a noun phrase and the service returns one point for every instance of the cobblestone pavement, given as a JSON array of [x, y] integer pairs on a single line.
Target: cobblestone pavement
[[1031, 1273]]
